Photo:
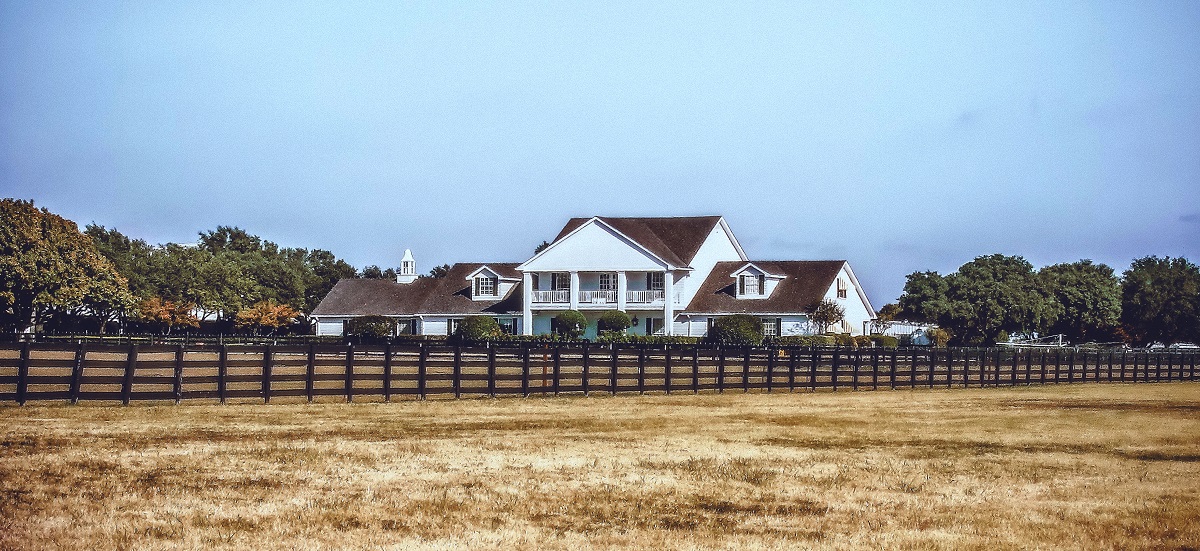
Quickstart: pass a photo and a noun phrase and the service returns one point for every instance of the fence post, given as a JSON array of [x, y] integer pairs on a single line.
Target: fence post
[[266, 374], [310, 370], [23, 374], [695, 369], [932, 365], [130, 365], [178, 386], [1170, 363], [1112, 359], [770, 368], [857, 365], [457, 375], [557, 366], [746, 369], [1124, 356], [77, 371], [585, 368], [721, 370], [1028, 365], [350, 373], [833, 374], [612, 377], [812, 369], [667, 368], [491, 369], [525, 370], [949, 367], [387, 372], [1016, 364], [223, 373], [912, 368], [641, 369], [1158, 367], [892, 369], [874, 369], [791, 370], [422, 358]]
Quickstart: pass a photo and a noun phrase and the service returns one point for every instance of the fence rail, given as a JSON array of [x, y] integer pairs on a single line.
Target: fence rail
[[58, 371]]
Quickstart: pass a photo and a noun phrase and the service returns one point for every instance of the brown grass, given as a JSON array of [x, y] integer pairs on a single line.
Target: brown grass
[[1073, 467]]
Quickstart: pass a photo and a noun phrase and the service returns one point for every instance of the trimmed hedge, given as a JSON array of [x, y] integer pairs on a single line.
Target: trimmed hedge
[[570, 324], [736, 329], [478, 328], [613, 321]]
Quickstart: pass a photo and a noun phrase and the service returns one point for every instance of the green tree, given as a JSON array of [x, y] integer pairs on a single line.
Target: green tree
[[541, 247], [439, 271], [1088, 298], [478, 328], [925, 297], [570, 324], [736, 329], [1160, 300], [48, 267], [372, 328], [826, 314], [614, 321]]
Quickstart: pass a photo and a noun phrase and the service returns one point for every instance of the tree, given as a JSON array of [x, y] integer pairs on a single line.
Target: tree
[[570, 324], [375, 272], [1160, 300], [924, 298], [614, 321], [736, 329], [439, 271], [541, 247], [478, 328], [885, 317], [827, 313], [1088, 298], [266, 315], [48, 267], [167, 314]]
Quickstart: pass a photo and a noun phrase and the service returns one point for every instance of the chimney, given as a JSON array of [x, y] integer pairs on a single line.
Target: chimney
[[408, 268]]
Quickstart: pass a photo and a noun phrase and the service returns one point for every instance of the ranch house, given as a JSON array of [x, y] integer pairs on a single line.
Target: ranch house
[[672, 275]]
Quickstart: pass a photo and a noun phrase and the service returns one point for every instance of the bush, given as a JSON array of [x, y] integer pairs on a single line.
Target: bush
[[736, 329], [885, 341], [806, 340], [843, 340], [371, 327], [478, 328], [609, 337], [570, 324], [862, 341], [614, 321], [940, 337]]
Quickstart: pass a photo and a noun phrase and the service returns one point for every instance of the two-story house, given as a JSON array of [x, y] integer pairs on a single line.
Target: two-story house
[[673, 276]]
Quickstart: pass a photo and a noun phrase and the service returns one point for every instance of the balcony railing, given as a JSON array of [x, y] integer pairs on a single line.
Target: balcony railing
[[597, 297], [552, 296], [643, 297]]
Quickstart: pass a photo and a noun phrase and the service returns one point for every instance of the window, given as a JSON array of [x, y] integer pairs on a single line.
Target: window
[[534, 280], [771, 326], [653, 325], [508, 326], [654, 281], [841, 288], [485, 286], [452, 325], [608, 282], [406, 327], [752, 285], [560, 281]]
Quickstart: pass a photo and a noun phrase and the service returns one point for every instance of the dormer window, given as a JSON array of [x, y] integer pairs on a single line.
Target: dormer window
[[841, 288], [485, 286], [752, 285]]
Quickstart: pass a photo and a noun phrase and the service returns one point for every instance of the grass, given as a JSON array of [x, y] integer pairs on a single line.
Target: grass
[[1070, 467]]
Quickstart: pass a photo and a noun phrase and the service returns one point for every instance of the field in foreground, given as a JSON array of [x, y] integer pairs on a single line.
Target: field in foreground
[[1082, 467]]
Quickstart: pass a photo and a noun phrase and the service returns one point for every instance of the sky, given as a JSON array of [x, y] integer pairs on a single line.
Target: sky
[[903, 137]]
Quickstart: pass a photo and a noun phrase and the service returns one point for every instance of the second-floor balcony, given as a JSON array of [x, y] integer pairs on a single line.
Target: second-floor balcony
[[601, 297]]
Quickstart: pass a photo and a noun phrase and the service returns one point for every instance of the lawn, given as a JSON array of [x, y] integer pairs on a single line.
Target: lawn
[[1072, 467]]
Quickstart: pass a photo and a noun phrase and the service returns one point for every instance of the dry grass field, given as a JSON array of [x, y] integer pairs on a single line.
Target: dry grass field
[[1070, 467]]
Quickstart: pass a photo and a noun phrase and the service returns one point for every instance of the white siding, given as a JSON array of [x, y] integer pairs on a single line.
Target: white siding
[[857, 311], [593, 248], [433, 326], [716, 248], [331, 327]]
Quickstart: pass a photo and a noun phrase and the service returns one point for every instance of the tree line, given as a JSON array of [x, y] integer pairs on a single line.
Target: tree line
[[55, 277], [1156, 300]]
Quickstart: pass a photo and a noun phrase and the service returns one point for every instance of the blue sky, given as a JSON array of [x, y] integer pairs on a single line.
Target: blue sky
[[901, 136]]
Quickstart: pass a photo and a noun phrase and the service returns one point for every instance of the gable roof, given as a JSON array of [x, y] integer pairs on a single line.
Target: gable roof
[[450, 294], [805, 283], [673, 239]]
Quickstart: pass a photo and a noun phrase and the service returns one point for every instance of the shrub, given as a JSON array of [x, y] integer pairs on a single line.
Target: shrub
[[614, 321], [737, 329], [862, 341], [806, 340], [843, 340], [371, 327], [570, 324], [478, 328], [940, 337], [885, 341], [622, 338]]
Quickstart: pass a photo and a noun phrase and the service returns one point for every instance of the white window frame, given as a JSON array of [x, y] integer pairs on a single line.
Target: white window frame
[[842, 289], [771, 327], [657, 281], [750, 285], [506, 324], [608, 281], [560, 281], [481, 282]]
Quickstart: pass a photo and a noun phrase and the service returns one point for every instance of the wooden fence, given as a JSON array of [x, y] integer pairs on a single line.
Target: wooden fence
[[56, 371]]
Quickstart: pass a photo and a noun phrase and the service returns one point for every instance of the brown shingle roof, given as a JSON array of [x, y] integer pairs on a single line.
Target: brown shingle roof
[[804, 285], [674, 239], [444, 295]]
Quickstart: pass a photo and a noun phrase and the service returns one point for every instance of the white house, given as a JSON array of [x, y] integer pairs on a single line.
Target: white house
[[674, 276]]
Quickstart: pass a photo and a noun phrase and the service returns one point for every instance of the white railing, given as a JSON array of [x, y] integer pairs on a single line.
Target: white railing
[[552, 296], [642, 297], [597, 297]]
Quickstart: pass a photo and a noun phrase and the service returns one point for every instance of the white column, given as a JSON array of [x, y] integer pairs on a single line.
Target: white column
[[574, 290], [526, 303], [669, 303], [622, 290]]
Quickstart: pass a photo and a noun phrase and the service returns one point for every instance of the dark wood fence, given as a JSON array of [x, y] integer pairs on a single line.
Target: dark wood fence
[[55, 371]]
